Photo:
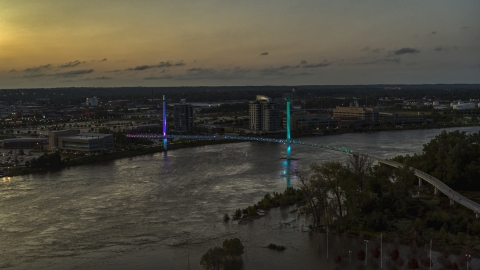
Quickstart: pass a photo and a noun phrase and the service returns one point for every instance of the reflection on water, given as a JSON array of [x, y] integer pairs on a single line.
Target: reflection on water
[[159, 208]]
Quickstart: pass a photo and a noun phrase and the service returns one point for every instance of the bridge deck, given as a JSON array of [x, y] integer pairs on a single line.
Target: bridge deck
[[452, 194]]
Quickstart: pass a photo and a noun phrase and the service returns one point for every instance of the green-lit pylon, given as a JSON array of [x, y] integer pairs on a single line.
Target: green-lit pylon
[[289, 144]]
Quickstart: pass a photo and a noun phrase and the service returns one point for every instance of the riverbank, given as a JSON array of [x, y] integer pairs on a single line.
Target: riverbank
[[127, 153]]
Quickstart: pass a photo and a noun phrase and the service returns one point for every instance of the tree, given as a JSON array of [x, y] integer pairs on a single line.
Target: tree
[[413, 264], [213, 259], [233, 248], [361, 255], [314, 192], [394, 255], [333, 175]]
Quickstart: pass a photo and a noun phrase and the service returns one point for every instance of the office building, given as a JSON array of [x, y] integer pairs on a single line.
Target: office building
[[369, 115], [183, 116]]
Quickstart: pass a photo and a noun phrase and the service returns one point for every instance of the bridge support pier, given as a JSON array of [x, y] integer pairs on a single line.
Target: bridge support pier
[[452, 202], [419, 182], [477, 215], [435, 191]]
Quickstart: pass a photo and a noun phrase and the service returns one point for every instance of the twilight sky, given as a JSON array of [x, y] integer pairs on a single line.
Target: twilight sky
[[67, 43]]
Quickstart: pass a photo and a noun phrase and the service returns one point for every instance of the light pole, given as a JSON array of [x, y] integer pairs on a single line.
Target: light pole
[[430, 255], [467, 257], [366, 251], [327, 242], [381, 250]]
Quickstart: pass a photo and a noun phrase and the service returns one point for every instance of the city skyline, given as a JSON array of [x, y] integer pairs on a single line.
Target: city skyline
[[190, 43]]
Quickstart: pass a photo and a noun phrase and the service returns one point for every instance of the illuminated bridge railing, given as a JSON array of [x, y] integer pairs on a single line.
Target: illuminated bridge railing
[[241, 138]]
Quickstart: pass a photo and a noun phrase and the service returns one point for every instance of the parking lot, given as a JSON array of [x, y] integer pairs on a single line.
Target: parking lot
[[12, 157]]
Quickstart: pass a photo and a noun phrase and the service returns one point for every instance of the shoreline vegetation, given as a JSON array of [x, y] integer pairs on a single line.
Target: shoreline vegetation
[[361, 200]]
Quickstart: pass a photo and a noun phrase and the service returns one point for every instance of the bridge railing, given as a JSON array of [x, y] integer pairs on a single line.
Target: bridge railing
[[442, 187]]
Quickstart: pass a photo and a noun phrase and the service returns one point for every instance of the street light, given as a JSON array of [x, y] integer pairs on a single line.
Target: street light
[[366, 251], [327, 242], [467, 257], [381, 249], [430, 254]]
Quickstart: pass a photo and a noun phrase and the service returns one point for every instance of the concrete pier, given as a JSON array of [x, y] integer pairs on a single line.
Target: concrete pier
[[419, 181], [452, 202], [435, 191]]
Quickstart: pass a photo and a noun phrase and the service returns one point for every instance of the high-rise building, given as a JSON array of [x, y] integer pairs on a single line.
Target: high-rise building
[[183, 116], [264, 115]]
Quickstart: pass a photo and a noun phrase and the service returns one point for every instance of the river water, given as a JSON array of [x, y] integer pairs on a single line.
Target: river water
[[163, 211]]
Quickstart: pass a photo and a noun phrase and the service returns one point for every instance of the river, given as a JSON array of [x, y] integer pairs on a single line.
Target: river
[[163, 211]]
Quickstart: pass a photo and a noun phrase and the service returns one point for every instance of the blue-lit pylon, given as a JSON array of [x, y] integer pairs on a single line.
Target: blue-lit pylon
[[164, 123], [289, 143]]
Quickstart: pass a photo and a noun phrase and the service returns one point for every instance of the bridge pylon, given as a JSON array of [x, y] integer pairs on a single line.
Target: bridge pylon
[[165, 123], [289, 139]]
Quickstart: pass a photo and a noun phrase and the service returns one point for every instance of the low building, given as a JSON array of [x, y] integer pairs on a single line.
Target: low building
[[311, 122], [72, 140], [369, 115], [399, 118], [24, 143], [152, 128], [91, 101], [463, 106], [54, 135], [213, 129]]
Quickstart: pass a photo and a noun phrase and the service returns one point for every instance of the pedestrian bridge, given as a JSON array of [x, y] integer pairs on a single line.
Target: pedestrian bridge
[[438, 185]]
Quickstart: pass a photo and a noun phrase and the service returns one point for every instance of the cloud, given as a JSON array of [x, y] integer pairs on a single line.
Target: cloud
[[102, 78], [465, 27], [12, 70], [164, 77], [323, 64], [277, 70], [103, 60], [433, 33], [160, 65], [367, 49], [394, 60], [71, 64], [73, 73], [406, 50], [240, 70], [303, 62], [438, 49], [38, 68], [202, 71], [264, 53], [34, 75], [391, 60]]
